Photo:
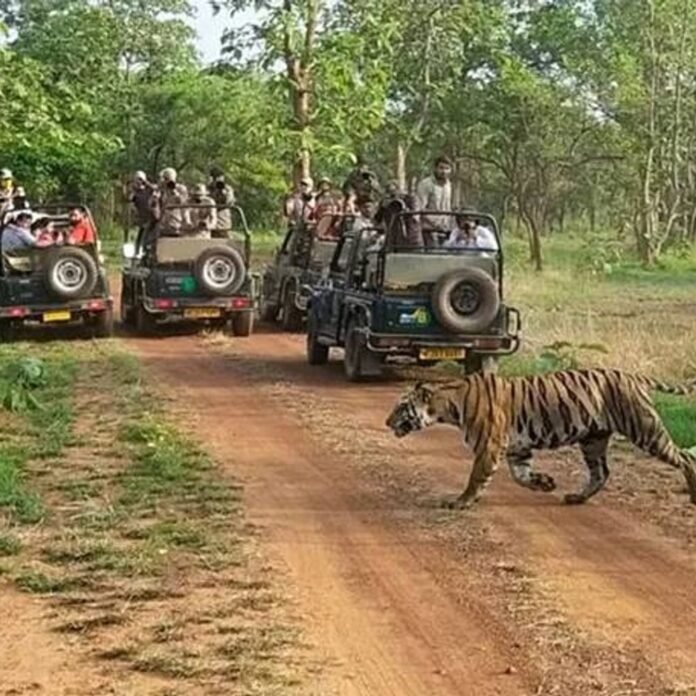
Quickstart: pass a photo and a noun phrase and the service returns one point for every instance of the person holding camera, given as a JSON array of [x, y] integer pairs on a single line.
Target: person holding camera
[[172, 221], [223, 195]]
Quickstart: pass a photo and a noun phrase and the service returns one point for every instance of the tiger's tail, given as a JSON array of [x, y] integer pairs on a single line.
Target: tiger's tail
[[684, 389]]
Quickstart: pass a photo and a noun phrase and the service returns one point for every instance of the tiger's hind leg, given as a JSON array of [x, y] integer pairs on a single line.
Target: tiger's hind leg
[[520, 465], [594, 450], [652, 437]]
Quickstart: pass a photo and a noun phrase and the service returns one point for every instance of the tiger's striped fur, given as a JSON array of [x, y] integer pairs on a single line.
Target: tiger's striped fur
[[511, 417]]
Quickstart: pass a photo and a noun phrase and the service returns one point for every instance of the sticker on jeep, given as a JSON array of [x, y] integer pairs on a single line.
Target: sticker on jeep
[[419, 317]]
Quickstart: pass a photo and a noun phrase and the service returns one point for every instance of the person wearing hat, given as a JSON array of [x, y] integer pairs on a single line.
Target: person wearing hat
[[142, 192], [300, 205], [223, 195], [361, 187], [171, 221], [17, 233], [326, 202], [204, 220]]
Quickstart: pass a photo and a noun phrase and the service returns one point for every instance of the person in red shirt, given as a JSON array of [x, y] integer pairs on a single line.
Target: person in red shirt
[[81, 230]]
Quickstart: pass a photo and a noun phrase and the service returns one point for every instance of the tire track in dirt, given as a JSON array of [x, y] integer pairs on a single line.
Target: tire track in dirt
[[373, 600], [617, 578]]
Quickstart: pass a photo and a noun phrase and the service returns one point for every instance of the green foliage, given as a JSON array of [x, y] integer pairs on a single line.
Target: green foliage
[[21, 379], [679, 415], [23, 505], [9, 545]]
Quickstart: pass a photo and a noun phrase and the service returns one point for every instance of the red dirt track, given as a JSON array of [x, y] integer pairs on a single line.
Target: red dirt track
[[518, 596]]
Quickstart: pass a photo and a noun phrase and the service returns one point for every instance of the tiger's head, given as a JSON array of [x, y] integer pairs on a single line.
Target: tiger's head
[[418, 409]]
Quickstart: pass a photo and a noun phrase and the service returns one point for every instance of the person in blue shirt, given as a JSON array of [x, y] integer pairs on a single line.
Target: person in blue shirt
[[17, 233]]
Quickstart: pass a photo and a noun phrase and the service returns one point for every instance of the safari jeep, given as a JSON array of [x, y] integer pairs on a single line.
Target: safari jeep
[[167, 279], [386, 297], [56, 285], [306, 250]]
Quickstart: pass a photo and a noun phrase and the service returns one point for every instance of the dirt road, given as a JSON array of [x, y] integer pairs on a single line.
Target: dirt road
[[520, 596]]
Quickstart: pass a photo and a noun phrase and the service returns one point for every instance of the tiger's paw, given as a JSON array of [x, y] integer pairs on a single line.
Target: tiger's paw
[[458, 503], [543, 483], [574, 499]]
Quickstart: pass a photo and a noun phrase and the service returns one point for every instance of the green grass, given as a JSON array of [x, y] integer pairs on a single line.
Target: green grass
[[23, 505], [36, 582], [679, 415], [9, 545]]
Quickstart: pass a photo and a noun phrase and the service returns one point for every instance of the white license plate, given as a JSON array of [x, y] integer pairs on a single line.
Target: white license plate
[[442, 353]]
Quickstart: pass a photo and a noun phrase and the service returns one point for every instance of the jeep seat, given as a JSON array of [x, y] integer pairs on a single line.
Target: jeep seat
[[405, 270], [171, 250]]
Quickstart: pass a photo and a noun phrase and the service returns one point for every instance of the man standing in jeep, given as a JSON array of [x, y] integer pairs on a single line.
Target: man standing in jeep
[[7, 192], [223, 195], [361, 187], [435, 193], [171, 222]]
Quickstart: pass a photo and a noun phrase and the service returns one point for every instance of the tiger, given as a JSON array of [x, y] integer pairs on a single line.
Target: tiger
[[512, 417]]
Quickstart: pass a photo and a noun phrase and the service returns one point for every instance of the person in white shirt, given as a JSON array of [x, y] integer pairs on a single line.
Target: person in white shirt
[[468, 234], [435, 193]]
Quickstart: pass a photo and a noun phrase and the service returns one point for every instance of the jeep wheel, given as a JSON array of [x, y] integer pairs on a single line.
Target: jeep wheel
[[220, 271], [466, 301], [145, 325], [482, 364], [292, 316], [355, 350], [71, 273], [103, 324], [126, 312], [317, 353], [242, 324], [269, 311]]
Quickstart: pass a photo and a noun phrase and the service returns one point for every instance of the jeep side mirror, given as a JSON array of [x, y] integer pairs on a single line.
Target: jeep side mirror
[[129, 251]]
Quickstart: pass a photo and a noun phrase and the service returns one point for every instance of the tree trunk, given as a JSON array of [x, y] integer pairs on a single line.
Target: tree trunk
[[401, 174]]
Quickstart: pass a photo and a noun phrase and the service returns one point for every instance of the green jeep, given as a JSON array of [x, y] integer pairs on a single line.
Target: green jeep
[[394, 297]]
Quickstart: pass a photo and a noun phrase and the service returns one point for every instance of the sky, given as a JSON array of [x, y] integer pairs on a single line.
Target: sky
[[209, 29]]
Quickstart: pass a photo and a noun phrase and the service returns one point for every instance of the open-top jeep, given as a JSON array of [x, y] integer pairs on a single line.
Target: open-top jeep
[[394, 295], [297, 266], [57, 284], [206, 280]]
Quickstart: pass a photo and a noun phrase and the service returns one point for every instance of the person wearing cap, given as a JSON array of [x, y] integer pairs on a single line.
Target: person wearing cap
[[223, 195], [300, 205], [362, 186], [172, 221], [17, 233], [142, 192], [7, 192], [204, 220], [19, 199]]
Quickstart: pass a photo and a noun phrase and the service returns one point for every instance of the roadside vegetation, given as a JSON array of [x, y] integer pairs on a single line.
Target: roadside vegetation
[[132, 535]]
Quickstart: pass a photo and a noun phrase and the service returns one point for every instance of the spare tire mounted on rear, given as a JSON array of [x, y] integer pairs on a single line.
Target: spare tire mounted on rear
[[466, 301], [71, 273], [220, 270]]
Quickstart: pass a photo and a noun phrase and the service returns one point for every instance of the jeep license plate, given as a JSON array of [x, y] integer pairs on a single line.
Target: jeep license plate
[[202, 313], [64, 315], [442, 353]]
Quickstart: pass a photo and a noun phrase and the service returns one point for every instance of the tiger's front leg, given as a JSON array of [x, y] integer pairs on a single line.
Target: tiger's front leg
[[485, 466]]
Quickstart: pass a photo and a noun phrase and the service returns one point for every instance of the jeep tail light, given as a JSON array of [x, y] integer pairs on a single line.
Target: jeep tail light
[[17, 311], [96, 305], [240, 303], [164, 304]]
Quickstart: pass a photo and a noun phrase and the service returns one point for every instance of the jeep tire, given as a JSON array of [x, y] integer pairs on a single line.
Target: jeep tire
[[355, 350], [466, 301], [292, 316], [220, 271], [71, 273], [242, 324], [317, 353]]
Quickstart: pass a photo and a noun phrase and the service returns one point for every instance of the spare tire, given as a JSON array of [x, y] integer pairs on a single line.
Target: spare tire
[[466, 301], [71, 273], [220, 270]]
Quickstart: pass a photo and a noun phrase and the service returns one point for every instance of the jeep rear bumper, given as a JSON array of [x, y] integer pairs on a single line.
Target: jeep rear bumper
[[505, 342], [197, 308], [65, 312]]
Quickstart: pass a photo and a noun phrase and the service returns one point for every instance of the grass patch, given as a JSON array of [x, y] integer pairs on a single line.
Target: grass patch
[[679, 415], [36, 582], [9, 545], [23, 505]]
